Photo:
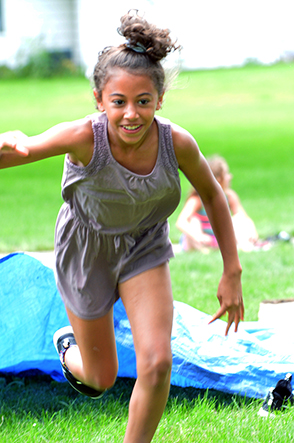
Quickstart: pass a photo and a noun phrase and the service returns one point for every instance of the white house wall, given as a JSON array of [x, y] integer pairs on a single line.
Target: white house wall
[[84, 27], [98, 23], [215, 33], [28, 24]]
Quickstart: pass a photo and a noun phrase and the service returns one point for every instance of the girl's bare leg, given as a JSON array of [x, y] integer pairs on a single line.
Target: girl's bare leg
[[94, 360], [149, 305]]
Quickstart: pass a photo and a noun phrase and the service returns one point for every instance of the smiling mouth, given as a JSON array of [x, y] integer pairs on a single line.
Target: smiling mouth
[[131, 128]]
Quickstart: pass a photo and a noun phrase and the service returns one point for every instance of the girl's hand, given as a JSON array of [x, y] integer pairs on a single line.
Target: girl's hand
[[230, 298], [11, 142]]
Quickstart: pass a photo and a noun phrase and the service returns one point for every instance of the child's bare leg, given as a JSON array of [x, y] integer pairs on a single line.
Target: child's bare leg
[[94, 360], [149, 305]]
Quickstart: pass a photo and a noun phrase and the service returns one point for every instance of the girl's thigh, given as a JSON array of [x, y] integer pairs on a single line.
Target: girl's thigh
[[148, 301]]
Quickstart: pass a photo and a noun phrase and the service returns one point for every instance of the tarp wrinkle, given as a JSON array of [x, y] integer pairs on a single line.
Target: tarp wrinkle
[[246, 363]]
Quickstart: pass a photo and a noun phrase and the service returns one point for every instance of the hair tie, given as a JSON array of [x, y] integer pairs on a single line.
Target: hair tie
[[138, 47]]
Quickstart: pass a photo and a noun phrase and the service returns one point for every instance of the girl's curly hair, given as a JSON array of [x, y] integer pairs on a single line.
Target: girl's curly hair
[[145, 46]]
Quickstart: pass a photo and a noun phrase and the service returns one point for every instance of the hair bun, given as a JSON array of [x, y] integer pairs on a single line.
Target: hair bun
[[143, 37]]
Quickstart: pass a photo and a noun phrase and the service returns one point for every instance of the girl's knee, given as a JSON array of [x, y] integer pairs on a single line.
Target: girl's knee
[[101, 382], [102, 377], [155, 368]]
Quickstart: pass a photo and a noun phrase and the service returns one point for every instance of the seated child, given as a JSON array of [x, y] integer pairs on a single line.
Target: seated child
[[194, 223]]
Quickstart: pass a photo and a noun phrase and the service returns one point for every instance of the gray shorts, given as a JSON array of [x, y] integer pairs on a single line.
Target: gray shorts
[[90, 265]]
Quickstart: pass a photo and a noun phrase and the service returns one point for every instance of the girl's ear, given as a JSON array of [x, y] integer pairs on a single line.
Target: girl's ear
[[100, 106], [159, 102]]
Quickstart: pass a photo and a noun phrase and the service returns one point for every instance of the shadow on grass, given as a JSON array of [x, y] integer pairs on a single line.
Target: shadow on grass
[[40, 393]]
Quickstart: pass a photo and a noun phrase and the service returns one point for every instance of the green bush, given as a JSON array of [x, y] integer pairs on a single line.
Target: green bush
[[6, 72], [46, 64], [41, 63]]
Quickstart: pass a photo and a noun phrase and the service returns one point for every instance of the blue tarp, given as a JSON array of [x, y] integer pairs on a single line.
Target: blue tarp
[[246, 363]]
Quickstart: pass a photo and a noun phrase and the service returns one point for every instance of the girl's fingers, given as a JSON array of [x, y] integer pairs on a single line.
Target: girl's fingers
[[233, 317], [12, 147], [21, 150]]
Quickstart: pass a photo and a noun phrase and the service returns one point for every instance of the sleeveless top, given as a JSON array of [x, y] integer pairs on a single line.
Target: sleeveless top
[[110, 199]]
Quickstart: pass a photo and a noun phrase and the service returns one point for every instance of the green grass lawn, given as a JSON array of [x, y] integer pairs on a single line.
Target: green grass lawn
[[243, 114], [31, 195], [42, 411], [246, 115]]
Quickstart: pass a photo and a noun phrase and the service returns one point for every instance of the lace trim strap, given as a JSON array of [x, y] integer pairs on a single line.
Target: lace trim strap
[[100, 157], [168, 156]]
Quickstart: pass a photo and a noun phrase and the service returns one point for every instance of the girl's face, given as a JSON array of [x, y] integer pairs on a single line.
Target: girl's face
[[130, 102]]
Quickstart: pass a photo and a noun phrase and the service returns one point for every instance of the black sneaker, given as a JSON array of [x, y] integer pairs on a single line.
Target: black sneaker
[[278, 398], [63, 339]]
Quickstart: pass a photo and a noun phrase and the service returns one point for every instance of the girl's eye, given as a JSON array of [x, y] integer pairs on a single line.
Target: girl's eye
[[144, 101], [118, 102]]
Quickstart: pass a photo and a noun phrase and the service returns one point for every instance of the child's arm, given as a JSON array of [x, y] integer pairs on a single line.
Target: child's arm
[[75, 138], [244, 226], [196, 169], [234, 202]]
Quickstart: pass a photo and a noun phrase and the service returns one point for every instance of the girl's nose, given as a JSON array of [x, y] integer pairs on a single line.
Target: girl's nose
[[131, 112]]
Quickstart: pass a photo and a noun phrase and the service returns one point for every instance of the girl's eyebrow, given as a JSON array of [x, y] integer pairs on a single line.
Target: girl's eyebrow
[[122, 95]]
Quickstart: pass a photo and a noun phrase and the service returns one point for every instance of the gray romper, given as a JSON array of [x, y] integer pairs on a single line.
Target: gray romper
[[113, 224]]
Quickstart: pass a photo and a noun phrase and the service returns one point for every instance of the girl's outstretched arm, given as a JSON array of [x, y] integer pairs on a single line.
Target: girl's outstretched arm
[[196, 169], [12, 142], [74, 138]]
